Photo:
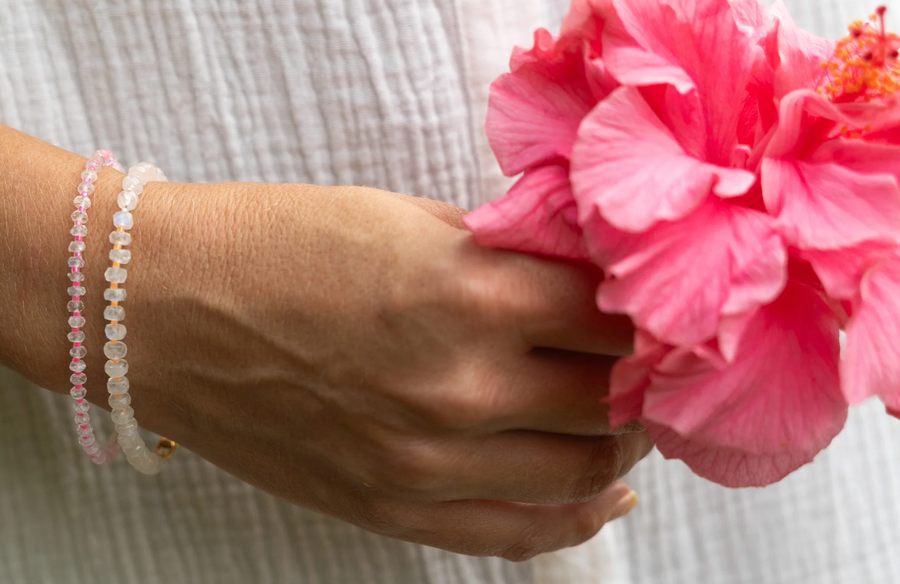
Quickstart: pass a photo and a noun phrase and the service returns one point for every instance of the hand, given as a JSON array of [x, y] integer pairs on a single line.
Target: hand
[[352, 353]]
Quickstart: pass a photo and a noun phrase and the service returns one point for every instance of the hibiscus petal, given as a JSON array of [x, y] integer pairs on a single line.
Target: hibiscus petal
[[827, 206], [729, 467], [859, 156], [799, 54], [871, 363], [751, 16], [537, 215], [584, 21], [806, 119], [692, 45], [893, 408], [534, 112], [630, 378], [771, 409], [676, 279], [628, 164], [841, 271]]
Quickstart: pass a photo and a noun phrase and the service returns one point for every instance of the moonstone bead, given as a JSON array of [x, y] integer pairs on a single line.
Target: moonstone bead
[[75, 306], [76, 321], [123, 256], [138, 450], [115, 294], [81, 201], [81, 408], [130, 441], [89, 175], [133, 183], [123, 219], [78, 352], [87, 440], [82, 418], [116, 275], [78, 379], [76, 276], [76, 291], [149, 464], [76, 246], [119, 403], [93, 450], [85, 188], [115, 386], [116, 368], [78, 393], [77, 366], [115, 332], [86, 434], [120, 237], [127, 200], [129, 428], [79, 217], [76, 337], [114, 313], [123, 415], [115, 350], [76, 262], [140, 170], [79, 230]]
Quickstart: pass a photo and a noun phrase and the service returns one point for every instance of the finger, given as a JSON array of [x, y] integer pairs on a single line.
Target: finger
[[560, 309], [553, 391], [514, 531], [536, 467]]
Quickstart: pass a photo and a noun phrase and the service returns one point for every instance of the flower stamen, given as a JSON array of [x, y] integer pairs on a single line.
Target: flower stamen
[[865, 64]]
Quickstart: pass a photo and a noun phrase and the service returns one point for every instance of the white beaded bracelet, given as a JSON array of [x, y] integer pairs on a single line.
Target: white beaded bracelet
[[85, 429], [136, 451]]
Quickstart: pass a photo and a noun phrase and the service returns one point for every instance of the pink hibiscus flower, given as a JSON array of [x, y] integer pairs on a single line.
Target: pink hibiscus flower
[[737, 180]]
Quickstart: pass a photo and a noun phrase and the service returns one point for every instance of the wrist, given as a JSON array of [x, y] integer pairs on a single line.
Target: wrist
[[37, 187]]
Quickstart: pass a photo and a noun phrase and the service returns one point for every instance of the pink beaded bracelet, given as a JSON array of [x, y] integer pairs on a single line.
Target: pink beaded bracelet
[[84, 428]]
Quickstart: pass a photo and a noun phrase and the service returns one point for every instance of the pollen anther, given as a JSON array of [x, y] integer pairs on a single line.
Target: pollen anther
[[865, 64]]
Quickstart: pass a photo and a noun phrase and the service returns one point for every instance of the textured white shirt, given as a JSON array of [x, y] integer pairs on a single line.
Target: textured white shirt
[[391, 94]]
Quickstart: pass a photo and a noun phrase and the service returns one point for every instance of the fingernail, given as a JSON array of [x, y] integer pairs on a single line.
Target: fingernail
[[625, 505]]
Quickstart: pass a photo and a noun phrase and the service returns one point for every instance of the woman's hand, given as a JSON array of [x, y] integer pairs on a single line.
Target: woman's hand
[[349, 351]]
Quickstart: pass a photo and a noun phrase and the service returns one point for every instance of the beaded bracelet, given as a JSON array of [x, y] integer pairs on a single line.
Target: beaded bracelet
[[129, 439], [78, 378]]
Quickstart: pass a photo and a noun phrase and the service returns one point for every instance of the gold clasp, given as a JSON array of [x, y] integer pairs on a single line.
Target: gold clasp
[[166, 448]]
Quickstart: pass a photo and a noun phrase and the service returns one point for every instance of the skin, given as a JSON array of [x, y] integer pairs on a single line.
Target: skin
[[348, 349]]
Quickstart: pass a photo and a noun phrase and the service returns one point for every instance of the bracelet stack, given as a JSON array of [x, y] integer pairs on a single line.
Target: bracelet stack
[[128, 437]]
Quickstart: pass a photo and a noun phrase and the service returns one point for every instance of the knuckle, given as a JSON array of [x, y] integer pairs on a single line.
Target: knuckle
[[481, 294], [586, 524], [379, 516], [461, 406], [604, 463], [414, 467], [636, 447], [533, 540]]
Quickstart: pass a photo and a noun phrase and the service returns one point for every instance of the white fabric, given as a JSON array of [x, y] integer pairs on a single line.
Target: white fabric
[[388, 93]]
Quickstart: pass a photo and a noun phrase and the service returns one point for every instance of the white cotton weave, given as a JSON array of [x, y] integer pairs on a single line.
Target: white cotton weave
[[391, 94]]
